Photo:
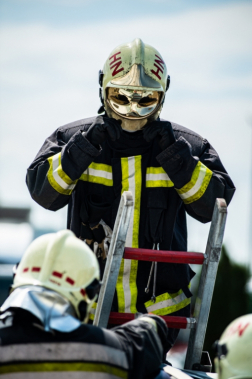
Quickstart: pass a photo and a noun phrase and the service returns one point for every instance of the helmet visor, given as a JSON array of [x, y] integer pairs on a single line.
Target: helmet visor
[[133, 104]]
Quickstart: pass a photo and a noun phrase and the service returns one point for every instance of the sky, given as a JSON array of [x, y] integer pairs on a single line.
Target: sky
[[52, 50]]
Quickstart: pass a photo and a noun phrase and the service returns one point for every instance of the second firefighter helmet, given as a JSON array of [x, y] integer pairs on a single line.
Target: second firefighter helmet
[[234, 350], [63, 263], [134, 81]]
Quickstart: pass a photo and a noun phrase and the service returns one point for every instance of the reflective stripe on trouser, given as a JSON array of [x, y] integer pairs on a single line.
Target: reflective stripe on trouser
[[98, 173], [157, 177], [168, 303], [57, 178], [198, 184], [62, 358], [126, 284]]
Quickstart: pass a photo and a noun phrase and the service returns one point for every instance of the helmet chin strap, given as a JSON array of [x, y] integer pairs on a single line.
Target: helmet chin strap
[[131, 125]]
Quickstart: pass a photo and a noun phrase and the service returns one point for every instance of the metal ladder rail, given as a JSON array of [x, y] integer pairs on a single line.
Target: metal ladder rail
[[114, 259], [206, 284]]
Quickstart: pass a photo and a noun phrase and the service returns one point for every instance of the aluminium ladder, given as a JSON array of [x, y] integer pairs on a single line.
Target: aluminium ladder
[[209, 261]]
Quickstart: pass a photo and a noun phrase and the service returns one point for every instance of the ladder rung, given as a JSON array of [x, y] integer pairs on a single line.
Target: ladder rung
[[163, 256], [176, 322]]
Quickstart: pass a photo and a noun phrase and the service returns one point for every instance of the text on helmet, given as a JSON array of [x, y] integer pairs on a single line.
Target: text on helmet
[[159, 64], [116, 63]]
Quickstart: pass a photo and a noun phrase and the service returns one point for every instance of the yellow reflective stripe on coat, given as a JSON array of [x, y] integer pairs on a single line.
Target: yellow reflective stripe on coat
[[57, 178], [101, 368], [167, 303], [92, 311], [126, 284], [98, 173], [157, 177], [198, 184]]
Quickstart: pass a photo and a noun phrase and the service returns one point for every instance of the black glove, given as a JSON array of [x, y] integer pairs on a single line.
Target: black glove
[[92, 209], [162, 130], [102, 128]]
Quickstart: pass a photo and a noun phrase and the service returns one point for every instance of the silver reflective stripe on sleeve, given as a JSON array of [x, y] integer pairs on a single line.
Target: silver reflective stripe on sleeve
[[57, 178], [198, 184]]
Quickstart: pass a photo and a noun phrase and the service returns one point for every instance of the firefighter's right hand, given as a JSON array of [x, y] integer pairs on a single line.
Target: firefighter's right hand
[[102, 128]]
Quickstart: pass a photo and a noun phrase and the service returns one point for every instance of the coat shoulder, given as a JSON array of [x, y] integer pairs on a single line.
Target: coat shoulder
[[68, 130], [196, 140]]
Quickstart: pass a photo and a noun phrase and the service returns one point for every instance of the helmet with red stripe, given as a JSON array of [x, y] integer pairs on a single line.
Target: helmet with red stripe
[[63, 263]]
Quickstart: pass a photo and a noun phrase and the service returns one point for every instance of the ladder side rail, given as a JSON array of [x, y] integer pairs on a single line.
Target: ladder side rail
[[206, 285], [114, 259]]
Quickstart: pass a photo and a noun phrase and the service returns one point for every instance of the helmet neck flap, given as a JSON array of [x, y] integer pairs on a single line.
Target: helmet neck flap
[[52, 310]]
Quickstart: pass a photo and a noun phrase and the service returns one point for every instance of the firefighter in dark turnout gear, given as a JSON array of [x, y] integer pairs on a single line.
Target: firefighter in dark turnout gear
[[169, 169], [42, 322]]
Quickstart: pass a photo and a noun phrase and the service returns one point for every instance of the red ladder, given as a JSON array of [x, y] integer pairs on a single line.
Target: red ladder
[[209, 262]]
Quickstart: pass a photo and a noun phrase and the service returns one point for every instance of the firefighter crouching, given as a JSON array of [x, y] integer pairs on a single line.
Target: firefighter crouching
[[43, 323], [169, 169]]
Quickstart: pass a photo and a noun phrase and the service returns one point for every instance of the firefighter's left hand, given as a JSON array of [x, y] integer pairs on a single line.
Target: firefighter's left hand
[[161, 130]]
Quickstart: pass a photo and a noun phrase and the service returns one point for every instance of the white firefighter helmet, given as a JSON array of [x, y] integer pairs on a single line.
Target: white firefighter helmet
[[62, 263], [134, 81], [234, 350]]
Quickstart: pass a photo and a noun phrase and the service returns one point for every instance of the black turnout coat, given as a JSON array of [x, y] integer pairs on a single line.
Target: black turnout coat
[[187, 177]]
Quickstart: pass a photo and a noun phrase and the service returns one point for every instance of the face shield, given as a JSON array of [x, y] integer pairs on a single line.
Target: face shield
[[133, 104]]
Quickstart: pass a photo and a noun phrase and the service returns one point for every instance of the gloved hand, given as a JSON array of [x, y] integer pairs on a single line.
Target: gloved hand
[[161, 329], [162, 130], [102, 128]]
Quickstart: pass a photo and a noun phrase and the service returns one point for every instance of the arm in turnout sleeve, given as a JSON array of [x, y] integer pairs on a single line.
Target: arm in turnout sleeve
[[198, 175], [144, 341], [53, 175]]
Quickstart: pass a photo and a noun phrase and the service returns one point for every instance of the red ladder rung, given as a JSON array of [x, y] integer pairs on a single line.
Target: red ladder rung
[[163, 256], [175, 322]]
